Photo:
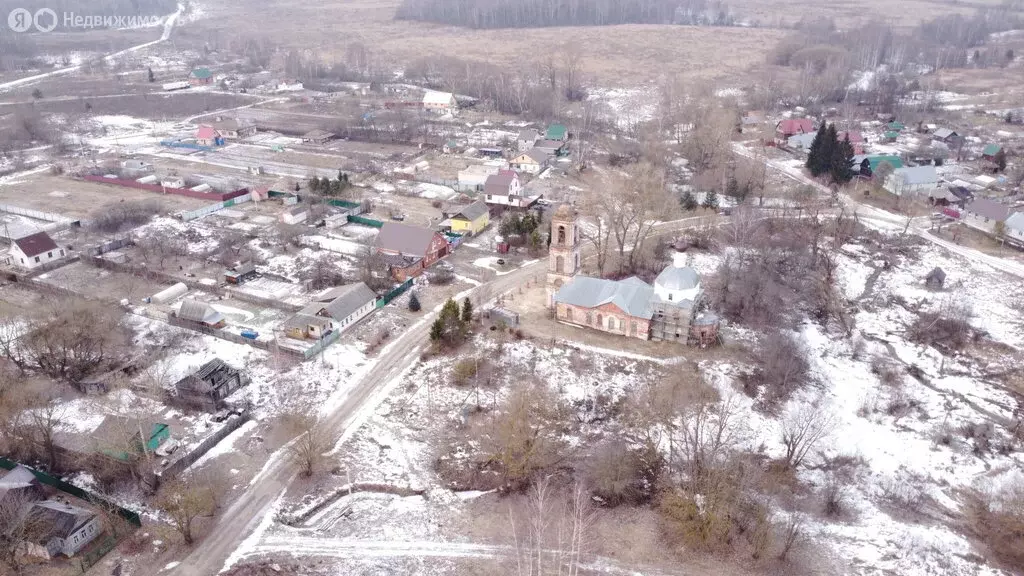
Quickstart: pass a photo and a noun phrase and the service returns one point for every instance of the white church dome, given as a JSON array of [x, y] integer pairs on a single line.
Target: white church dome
[[677, 284]]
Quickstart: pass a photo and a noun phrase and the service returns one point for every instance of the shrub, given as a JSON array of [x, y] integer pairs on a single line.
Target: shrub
[[464, 370], [618, 474], [997, 518], [949, 326], [441, 275], [414, 303]]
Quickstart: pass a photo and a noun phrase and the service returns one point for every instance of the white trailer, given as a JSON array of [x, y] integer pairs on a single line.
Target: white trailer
[[171, 86]]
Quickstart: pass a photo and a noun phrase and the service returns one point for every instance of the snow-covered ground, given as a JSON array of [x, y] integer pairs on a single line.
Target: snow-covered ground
[[627, 107]]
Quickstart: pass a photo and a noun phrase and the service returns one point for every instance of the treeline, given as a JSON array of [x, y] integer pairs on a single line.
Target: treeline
[[541, 13]]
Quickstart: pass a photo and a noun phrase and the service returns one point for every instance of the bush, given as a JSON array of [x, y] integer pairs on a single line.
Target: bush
[[441, 275], [414, 303], [783, 369], [949, 326], [464, 370], [997, 518], [618, 474], [114, 218]]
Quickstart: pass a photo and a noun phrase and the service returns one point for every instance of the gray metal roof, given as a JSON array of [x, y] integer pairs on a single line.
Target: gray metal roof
[[802, 140], [303, 319], [673, 278], [196, 311], [404, 239], [944, 133], [990, 209], [499, 184], [632, 295], [539, 155], [471, 212], [51, 518], [918, 175], [1016, 221], [354, 297]]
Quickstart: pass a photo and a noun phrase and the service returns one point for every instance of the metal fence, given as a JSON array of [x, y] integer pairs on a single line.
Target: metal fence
[[365, 221], [179, 465], [321, 344], [387, 298], [49, 480], [222, 334]]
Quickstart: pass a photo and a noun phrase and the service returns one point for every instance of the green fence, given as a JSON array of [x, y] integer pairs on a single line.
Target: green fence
[[95, 552], [344, 204], [366, 221], [75, 491], [387, 298]]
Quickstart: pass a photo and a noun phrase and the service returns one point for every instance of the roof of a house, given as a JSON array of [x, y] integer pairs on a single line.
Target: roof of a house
[[961, 193], [853, 135], [917, 175], [802, 140], [115, 434], [499, 184], [471, 212], [399, 261], [1016, 221], [405, 239], [877, 160], [896, 126], [229, 124], [944, 133], [440, 98], [537, 155], [991, 209], [557, 132], [302, 319], [548, 144], [632, 295], [892, 135], [529, 134], [796, 125], [317, 135], [991, 150], [202, 73], [347, 299], [35, 244], [17, 477], [53, 519], [206, 132], [196, 311], [296, 209]]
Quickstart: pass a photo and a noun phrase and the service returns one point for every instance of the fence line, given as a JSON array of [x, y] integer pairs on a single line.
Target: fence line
[[387, 298], [50, 480], [179, 465], [221, 196], [217, 333]]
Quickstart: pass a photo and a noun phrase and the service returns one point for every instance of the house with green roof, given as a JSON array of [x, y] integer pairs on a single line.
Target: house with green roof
[[557, 132], [895, 126], [876, 160], [200, 77], [891, 136], [991, 151]]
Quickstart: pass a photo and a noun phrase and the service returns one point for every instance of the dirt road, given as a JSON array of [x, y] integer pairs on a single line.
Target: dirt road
[[243, 516]]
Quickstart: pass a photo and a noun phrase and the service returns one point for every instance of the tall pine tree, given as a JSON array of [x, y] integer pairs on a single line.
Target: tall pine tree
[[815, 160], [841, 166]]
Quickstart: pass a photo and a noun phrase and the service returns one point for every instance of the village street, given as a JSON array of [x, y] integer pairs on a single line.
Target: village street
[[245, 515]]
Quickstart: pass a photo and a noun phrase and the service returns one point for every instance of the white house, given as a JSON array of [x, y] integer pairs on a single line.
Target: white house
[[1014, 226], [295, 214], [439, 101], [333, 310], [34, 251], [912, 181], [527, 139], [984, 214], [60, 528]]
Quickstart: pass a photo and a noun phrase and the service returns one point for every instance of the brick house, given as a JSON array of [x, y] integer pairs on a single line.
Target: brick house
[[200, 77], [34, 250], [409, 250]]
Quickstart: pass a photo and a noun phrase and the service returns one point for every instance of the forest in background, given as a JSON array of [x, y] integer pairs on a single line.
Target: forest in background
[[541, 13]]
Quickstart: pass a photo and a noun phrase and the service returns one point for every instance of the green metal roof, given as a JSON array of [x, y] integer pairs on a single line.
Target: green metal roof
[[556, 132], [897, 126], [894, 160], [202, 73], [991, 150], [892, 135]]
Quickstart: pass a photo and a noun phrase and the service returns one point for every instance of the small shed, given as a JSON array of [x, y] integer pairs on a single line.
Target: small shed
[[207, 388], [504, 315], [935, 279], [704, 329], [240, 273]]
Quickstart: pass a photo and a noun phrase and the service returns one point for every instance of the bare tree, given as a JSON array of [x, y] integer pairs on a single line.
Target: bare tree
[[802, 429], [309, 448], [708, 433], [16, 526], [47, 421], [71, 338], [184, 501]]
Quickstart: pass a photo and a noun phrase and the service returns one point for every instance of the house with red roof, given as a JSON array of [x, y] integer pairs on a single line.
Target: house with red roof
[[208, 136], [34, 250], [790, 127], [856, 139]]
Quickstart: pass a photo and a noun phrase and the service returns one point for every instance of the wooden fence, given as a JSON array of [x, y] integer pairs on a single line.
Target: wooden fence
[[217, 333], [181, 464]]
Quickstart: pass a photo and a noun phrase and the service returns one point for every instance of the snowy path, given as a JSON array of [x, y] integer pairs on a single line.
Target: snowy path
[[168, 26], [347, 548]]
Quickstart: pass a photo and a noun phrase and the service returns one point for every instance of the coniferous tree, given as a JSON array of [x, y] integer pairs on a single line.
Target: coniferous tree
[[414, 303], [710, 200], [688, 202], [150, 75], [815, 162], [467, 311], [841, 166], [828, 149]]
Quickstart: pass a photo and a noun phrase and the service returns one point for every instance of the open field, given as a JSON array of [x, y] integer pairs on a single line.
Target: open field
[[908, 13], [612, 54], [78, 199]]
